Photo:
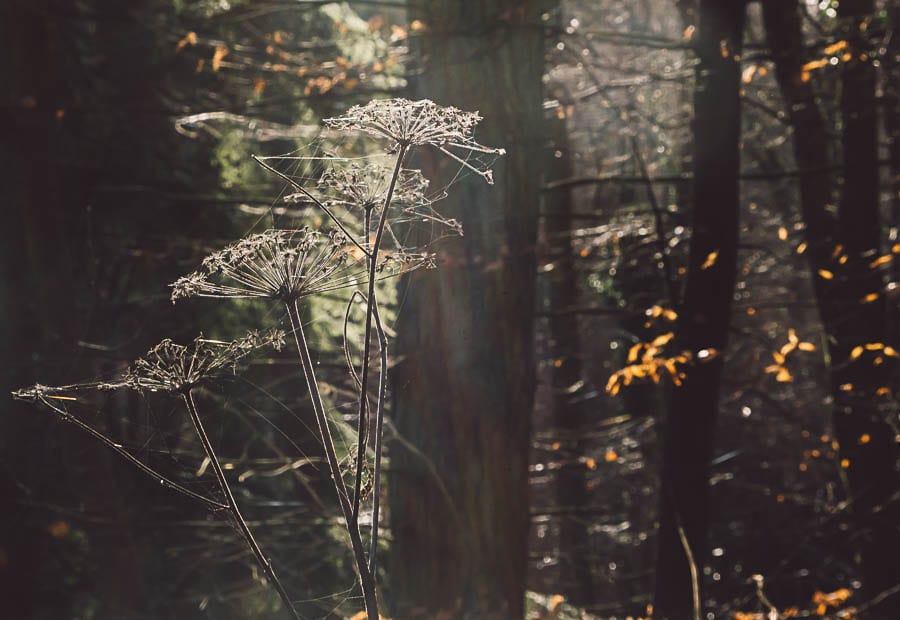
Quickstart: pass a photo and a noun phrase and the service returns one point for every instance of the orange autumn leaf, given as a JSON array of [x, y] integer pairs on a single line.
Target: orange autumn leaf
[[220, 53], [59, 529], [825, 274], [782, 233], [633, 353], [663, 340], [784, 376], [710, 260], [881, 260], [834, 48], [610, 456], [814, 64], [189, 39]]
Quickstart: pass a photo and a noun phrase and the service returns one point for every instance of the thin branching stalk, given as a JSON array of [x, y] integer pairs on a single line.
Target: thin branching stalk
[[365, 577], [379, 432], [315, 201], [261, 558], [121, 451], [370, 308]]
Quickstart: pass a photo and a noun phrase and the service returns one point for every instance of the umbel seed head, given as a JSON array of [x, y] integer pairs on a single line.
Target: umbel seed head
[[419, 123], [281, 264], [172, 367]]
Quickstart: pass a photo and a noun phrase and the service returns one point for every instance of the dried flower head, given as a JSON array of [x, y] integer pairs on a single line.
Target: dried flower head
[[366, 186], [172, 367], [282, 264], [417, 123], [287, 265]]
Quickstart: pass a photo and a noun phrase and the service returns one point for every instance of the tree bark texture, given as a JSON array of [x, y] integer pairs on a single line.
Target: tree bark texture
[[867, 442], [844, 246], [567, 380], [706, 308], [465, 380]]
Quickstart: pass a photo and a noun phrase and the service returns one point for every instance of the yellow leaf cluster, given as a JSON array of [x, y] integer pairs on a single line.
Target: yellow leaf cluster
[[819, 63], [656, 312], [824, 600], [879, 348], [782, 374], [645, 361]]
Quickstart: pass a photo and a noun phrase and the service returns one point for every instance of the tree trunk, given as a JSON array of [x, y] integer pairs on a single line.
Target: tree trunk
[[464, 385], [865, 438], [891, 80], [867, 442], [704, 315], [567, 380]]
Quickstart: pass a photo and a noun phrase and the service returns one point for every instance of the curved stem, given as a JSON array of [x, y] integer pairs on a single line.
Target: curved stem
[[233, 507], [365, 577], [379, 422]]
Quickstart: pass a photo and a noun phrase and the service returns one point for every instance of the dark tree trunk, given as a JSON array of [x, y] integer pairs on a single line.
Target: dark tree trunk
[[704, 315], [35, 255], [850, 321], [891, 82], [867, 442], [464, 385], [567, 381]]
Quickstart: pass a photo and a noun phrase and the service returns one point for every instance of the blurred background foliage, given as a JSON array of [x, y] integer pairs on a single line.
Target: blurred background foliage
[[127, 133]]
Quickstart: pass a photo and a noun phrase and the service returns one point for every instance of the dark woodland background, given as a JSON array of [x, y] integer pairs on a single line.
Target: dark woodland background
[[715, 177]]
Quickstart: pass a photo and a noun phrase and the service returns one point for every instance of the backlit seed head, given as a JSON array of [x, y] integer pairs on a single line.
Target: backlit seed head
[[171, 367]]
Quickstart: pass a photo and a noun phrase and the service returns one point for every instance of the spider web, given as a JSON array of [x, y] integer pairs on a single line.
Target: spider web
[[415, 219]]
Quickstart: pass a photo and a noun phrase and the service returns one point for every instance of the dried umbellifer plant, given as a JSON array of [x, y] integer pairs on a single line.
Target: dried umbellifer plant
[[289, 266]]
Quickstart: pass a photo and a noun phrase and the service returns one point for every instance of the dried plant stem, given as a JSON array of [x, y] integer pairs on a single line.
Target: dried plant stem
[[379, 433], [312, 198], [121, 451], [263, 561], [371, 307], [365, 577], [695, 577]]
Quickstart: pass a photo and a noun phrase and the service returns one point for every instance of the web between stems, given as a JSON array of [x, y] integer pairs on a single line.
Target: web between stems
[[323, 167], [344, 222]]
